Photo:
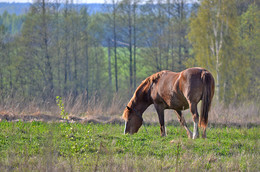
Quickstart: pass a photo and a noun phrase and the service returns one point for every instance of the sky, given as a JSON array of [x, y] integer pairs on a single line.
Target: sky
[[76, 1]]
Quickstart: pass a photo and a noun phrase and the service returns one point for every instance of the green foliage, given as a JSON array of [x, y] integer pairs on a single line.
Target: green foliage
[[249, 38], [61, 50], [54, 50], [32, 145], [220, 45], [13, 23], [60, 104]]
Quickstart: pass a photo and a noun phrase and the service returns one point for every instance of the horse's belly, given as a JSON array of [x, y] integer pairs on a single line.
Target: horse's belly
[[176, 102], [179, 104]]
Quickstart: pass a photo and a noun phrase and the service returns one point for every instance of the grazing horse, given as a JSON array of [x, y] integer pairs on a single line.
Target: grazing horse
[[170, 90]]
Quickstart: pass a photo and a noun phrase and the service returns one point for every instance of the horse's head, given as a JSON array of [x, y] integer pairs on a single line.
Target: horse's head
[[133, 120]]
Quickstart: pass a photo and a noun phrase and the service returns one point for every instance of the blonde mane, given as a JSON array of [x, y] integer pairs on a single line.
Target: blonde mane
[[149, 80]]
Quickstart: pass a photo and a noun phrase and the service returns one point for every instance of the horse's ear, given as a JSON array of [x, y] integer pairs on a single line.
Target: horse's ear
[[128, 108]]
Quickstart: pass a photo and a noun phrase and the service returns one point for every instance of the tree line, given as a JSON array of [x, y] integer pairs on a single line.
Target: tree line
[[59, 49]]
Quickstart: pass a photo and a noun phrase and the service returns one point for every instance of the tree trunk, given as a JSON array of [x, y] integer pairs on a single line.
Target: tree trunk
[[134, 32], [109, 64], [48, 69], [130, 46], [216, 46], [115, 44], [66, 58], [75, 54]]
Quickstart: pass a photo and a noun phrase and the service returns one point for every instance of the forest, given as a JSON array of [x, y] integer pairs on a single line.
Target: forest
[[59, 48]]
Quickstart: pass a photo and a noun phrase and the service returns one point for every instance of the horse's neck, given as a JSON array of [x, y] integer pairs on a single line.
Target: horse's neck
[[140, 105]]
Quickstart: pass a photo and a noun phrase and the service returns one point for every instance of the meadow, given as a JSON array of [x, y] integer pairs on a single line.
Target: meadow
[[53, 146]]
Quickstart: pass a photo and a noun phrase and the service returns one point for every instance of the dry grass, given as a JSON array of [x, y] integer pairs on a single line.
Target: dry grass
[[107, 109], [187, 161], [242, 113]]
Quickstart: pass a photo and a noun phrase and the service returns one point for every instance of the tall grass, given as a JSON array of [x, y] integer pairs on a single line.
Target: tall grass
[[242, 113], [73, 105]]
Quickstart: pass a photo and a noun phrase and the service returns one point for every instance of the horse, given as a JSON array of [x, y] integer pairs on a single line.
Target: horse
[[171, 90]]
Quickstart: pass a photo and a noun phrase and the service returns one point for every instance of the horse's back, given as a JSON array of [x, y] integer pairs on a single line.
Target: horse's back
[[176, 90]]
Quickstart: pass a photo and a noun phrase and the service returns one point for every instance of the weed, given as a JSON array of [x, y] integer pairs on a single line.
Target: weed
[[63, 113]]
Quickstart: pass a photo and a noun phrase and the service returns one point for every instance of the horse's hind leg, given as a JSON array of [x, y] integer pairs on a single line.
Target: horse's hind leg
[[195, 116], [204, 135], [183, 123]]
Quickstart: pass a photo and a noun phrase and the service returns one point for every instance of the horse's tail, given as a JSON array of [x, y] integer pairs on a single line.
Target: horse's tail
[[207, 95]]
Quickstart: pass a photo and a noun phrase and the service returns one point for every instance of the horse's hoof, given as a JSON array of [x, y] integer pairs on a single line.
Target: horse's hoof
[[163, 135], [189, 135], [195, 136]]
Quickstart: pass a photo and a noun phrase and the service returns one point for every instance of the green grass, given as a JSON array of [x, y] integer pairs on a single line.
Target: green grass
[[40, 146]]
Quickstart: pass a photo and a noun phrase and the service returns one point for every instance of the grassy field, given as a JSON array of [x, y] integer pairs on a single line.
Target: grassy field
[[41, 146]]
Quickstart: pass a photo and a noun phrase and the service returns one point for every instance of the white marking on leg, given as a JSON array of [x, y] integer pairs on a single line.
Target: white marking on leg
[[195, 130], [125, 126]]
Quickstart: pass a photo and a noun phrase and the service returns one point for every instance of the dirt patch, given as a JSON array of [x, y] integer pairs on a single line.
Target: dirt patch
[[47, 118]]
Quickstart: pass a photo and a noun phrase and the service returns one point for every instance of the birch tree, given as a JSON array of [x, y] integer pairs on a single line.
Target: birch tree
[[210, 29]]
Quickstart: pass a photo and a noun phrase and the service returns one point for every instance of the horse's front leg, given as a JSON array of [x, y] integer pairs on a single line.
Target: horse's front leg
[[160, 112], [183, 123]]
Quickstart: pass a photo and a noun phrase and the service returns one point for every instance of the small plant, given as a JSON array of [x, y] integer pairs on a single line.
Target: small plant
[[63, 113]]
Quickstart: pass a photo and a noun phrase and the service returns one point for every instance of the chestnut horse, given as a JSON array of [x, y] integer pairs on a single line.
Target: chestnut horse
[[170, 90]]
